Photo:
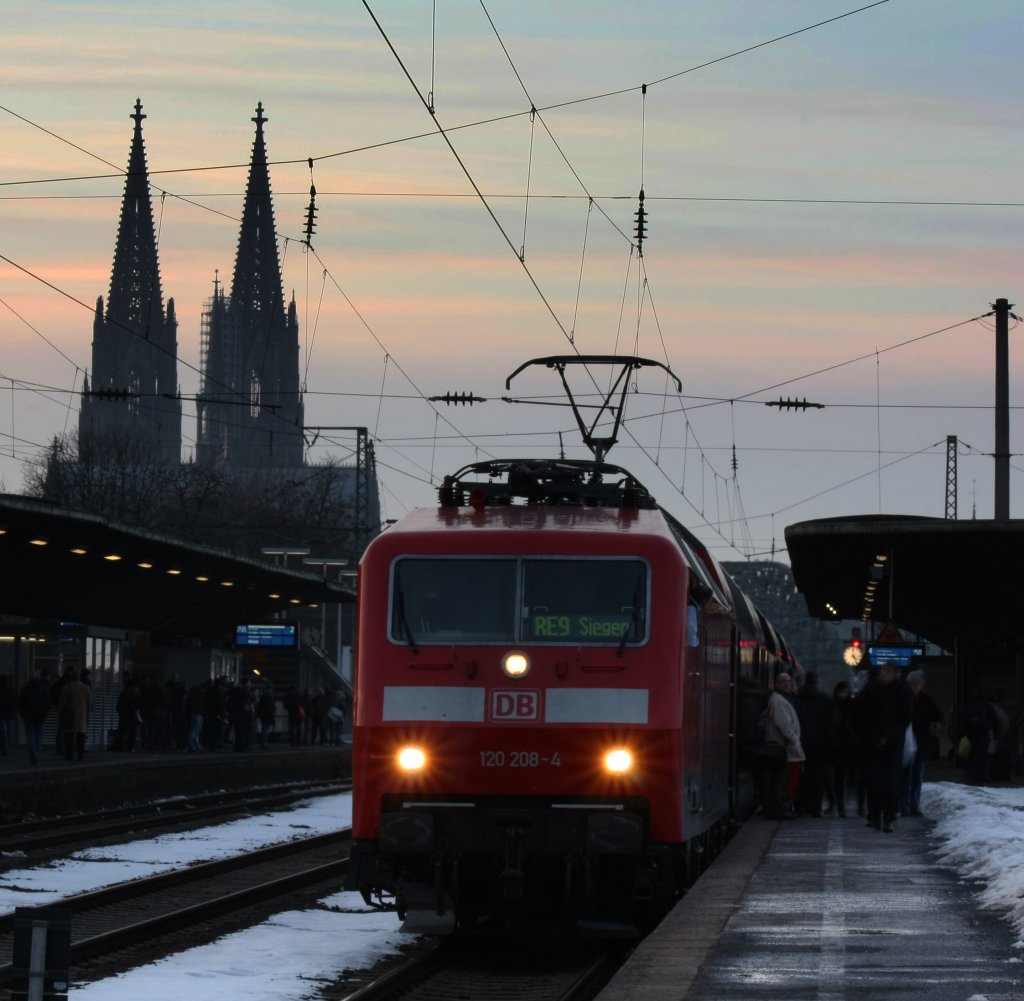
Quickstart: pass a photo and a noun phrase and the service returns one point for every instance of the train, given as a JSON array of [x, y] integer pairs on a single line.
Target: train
[[553, 685]]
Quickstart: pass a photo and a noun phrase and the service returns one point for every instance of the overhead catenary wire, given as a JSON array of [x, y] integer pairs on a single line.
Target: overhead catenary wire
[[572, 332]]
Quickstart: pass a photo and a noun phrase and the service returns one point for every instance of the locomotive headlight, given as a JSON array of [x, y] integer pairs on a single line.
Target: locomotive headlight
[[618, 761], [411, 759], [515, 664]]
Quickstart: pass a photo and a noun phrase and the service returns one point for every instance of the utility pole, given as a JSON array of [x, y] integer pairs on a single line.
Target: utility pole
[[1002, 449], [366, 472]]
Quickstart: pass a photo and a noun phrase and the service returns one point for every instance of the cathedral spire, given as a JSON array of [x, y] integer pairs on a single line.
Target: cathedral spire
[[134, 348], [251, 407], [135, 295], [256, 287]]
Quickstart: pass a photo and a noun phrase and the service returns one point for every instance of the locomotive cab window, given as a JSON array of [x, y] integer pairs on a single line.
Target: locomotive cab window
[[453, 601], [577, 602], [585, 601]]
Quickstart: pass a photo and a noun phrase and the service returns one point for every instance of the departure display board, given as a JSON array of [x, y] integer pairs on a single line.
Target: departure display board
[[277, 634]]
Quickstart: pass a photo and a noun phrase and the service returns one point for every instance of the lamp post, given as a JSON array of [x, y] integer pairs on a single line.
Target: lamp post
[[284, 552], [325, 562], [281, 554]]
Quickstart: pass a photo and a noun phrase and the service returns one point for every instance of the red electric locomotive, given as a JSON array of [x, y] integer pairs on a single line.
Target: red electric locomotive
[[545, 703]]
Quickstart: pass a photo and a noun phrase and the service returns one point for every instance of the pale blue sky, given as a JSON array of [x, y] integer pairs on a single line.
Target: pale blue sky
[[810, 202]]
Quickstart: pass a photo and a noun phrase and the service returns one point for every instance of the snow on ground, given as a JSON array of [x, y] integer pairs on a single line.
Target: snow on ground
[[284, 959], [980, 832], [977, 831], [98, 867]]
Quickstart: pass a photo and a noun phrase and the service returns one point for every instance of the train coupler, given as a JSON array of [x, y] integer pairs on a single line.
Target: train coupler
[[513, 873]]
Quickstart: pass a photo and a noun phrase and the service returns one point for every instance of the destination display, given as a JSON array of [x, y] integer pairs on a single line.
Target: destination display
[[898, 655], [580, 627], [276, 634]]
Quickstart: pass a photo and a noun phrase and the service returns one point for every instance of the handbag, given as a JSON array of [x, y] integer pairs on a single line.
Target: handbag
[[909, 746], [770, 756], [963, 748]]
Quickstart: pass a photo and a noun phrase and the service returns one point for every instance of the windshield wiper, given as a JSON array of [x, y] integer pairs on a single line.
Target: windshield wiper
[[634, 619], [410, 639]]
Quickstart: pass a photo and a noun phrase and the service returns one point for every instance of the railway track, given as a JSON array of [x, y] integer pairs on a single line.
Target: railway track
[[124, 921], [496, 971], [29, 837]]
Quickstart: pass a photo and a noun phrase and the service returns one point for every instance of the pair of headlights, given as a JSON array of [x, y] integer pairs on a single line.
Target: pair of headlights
[[617, 761]]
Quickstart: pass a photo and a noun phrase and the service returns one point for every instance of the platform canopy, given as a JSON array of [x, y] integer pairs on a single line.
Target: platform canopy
[[64, 565], [947, 581]]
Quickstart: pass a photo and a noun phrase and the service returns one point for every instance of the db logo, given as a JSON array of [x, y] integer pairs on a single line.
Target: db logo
[[515, 705]]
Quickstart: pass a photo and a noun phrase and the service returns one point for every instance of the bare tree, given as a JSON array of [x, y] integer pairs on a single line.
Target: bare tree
[[232, 508]]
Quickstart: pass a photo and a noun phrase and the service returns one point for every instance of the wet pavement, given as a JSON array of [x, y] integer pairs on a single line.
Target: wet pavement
[[827, 910]]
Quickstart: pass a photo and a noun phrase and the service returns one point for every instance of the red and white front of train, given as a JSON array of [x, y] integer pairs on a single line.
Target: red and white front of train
[[521, 743]]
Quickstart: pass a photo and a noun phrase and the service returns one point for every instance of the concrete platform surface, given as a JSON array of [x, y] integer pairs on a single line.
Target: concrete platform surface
[[826, 909]]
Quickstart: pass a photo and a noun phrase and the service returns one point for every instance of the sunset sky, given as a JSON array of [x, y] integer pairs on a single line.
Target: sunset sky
[[830, 216]]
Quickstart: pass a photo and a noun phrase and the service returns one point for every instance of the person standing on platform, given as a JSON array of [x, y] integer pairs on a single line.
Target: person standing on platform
[[307, 723], [887, 714], [128, 716], [243, 713], [815, 711], [845, 745], [8, 707], [73, 714], [55, 689], [927, 724], [296, 715], [321, 706], [34, 707], [266, 713], [195, 703], [783, 727], [981, 732]]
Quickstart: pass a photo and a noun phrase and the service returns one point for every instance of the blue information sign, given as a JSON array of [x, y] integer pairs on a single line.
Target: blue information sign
[[898, 655], [284, 634]]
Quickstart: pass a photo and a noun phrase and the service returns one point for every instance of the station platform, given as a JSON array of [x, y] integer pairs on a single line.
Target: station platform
[[108, 779], [831, 910]]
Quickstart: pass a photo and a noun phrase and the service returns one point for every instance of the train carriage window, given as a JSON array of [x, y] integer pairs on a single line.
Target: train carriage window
[[585, 601], [453, 601]]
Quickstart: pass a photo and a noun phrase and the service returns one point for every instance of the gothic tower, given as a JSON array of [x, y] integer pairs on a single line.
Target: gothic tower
[[250, 408], [132, 397]]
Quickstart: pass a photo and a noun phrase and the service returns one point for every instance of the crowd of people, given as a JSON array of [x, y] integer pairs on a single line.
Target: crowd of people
[[159, 717], [816, 754]]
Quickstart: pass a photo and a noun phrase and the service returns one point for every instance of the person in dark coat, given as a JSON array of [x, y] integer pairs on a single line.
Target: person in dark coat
[[296, 715], [764, 761], [128, 715], [981, 732], [242, 703], [155, 719], [195, 702], [266, 713], [927, 719], [887, 714], [215, 714], [815, 710], [34, 707], [845, 745], [8, 708], [55, 689]]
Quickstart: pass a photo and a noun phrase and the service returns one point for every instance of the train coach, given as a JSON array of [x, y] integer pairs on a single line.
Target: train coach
[[546, 712]]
